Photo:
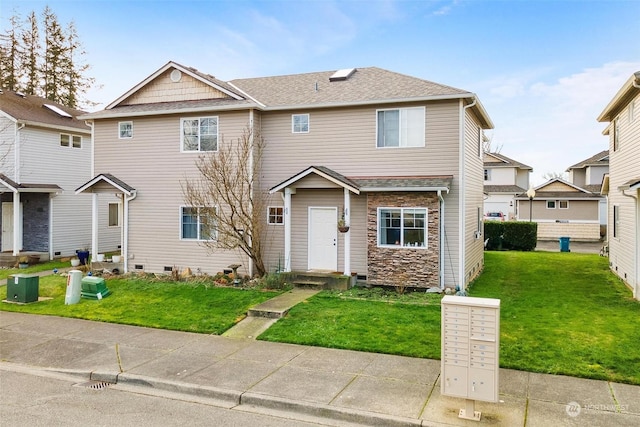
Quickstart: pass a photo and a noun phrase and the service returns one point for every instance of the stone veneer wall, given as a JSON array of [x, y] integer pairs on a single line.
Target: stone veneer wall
[[35, 222], [416, 267]]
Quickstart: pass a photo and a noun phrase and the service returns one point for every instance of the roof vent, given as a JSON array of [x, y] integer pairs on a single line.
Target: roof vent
[[175, 76], [343, 74], [57, 110]]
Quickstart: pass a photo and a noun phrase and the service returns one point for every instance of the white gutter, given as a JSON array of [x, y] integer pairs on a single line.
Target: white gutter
[[404, 189], [16, 153]]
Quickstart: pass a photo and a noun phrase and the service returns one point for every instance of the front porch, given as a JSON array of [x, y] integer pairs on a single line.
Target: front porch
[[9, 260], [320, 280]]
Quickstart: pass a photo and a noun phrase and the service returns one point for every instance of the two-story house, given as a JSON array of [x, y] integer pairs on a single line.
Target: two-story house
[[588, 174], [400, 157], [45, 153], [504, 179], [622, 185]]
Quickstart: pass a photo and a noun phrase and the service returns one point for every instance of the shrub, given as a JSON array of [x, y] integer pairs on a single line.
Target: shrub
[[511, 235]]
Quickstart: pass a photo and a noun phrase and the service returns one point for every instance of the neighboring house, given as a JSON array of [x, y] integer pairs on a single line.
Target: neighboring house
[[562, 209], [504, 179], [45, 153], [401, 157], [622, 185], [588, 174]]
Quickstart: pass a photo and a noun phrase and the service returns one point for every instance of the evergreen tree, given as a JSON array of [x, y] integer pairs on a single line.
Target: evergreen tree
[[31, 55], [10, 70], [54, 56], [75, 80]]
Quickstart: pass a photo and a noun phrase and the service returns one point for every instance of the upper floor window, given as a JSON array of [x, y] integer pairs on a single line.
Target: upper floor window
[[300, 123], [563, 204], [275, 215], [551, 204], [125, 130], [402, 227], [487, 174], [401, 127], [199, 134], [73, 141], [197, 223]]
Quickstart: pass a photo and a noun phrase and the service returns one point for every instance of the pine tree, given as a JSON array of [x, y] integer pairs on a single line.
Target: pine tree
[[75, 80], [54, 55], [31, 56], [10, 70]]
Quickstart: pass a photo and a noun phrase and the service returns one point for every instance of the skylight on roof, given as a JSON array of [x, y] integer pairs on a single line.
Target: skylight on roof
[[58, 110], [343, 74]]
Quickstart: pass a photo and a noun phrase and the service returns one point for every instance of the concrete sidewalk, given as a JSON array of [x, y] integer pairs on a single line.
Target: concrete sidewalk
[[327, 386]]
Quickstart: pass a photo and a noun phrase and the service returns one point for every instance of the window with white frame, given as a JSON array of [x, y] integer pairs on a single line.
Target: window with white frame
[[300, 123], [197, 223], [275, 215], [199, 134], [401, 127], [114, 214], [563, 204], [487, 174], [616, 220], [125, 130], [479, 141], [73, 141], [616, 135], [402, 227], [551, 204]]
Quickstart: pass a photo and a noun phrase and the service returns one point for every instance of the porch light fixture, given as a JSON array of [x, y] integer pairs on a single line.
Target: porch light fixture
[[531, 193]]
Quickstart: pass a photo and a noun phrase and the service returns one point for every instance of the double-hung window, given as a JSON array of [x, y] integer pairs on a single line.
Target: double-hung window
[[199, 134], [401, 127], [402, 227], [197, 223]]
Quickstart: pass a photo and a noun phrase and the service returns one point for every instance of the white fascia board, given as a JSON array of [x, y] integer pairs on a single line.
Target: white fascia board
[[392, 189], [85, 132], [301, 175], [166, 112]]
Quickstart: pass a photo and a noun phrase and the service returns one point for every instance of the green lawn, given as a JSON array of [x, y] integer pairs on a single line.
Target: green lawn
[[561, 313], [166, 305], [49, 265]]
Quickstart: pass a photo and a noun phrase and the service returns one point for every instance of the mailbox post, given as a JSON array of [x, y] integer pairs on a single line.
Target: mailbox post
[[470, 351]]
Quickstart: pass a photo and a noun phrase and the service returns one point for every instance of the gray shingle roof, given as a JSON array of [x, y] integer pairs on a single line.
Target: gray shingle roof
[[31, 108], [172, 107], [369, 84], [403, 182], [511, 189], [506, 162], [26, 187], [600, 159]]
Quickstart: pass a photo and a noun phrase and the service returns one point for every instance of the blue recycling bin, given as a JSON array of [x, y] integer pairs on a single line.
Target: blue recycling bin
[[564, 244]]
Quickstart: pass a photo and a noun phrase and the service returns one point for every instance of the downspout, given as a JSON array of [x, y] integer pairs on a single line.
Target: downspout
[[17, 212], [125, 243], [251, 130], [93, 152], [462, 205], [636, 285], [16, 154], [441, 239]]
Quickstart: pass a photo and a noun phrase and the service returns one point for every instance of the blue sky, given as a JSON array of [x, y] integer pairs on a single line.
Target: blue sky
[[543, 69]]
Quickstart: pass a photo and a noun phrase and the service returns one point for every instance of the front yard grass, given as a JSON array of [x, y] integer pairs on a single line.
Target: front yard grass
[[561, 313], [181, 306]]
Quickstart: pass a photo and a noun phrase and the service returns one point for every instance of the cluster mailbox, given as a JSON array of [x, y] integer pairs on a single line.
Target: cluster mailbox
[[470, 350]]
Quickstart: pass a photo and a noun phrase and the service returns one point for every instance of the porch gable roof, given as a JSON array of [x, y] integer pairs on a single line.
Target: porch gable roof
[[14, 187], [369, 184], [109, 179]]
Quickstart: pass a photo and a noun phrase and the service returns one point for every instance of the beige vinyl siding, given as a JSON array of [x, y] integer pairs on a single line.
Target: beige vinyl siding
[[579, 210], [163, 89], [152, 163], [44, 161], [624, 165], [301, 202], [7, 147], [473, 189], [345, 140]]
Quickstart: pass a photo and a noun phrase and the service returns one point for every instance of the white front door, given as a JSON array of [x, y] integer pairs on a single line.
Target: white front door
[[7, 226], [323, 238]]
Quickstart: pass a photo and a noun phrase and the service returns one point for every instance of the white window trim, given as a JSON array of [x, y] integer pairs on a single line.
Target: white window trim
[[120, 124], [198, 239], [269, 215], [293, 130], [401, 246], [119, 215], [555, 204], [400, 109], [560, 204], [199, 150], [71, 136]]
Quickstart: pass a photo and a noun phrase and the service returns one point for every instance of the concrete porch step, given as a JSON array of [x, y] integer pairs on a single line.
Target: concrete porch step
[[304, 283]]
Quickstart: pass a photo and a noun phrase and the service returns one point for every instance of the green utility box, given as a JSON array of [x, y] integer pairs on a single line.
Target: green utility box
[[22, 288], [94, 288]]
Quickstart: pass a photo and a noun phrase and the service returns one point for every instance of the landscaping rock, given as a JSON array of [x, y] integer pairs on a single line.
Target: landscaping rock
[[434, 291]]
